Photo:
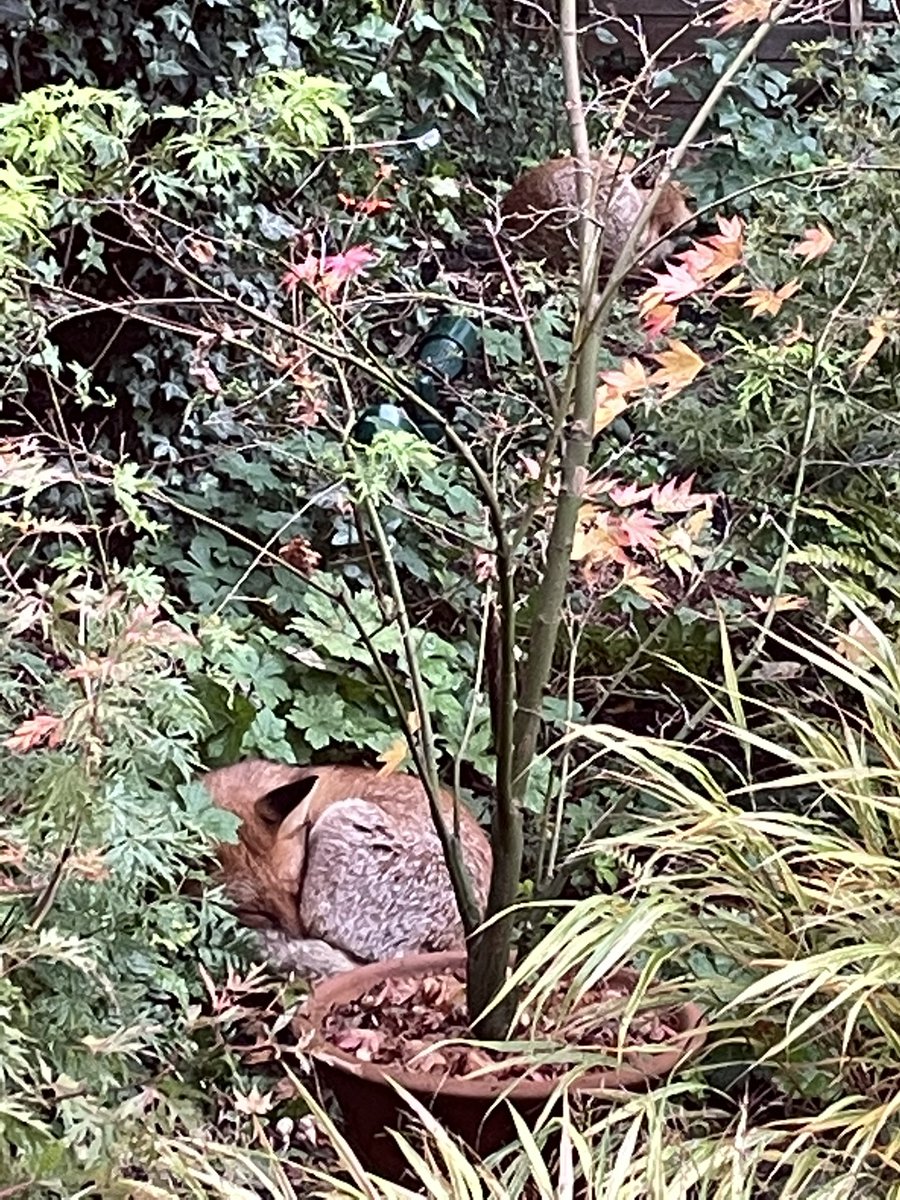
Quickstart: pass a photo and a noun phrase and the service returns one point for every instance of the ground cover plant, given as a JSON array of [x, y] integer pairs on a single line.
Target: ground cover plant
[[202, 289]]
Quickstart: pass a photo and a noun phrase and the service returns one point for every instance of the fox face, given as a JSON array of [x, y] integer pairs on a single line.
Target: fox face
[[337, 865]]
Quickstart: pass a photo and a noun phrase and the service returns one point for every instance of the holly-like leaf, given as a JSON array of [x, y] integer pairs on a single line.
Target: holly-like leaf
[[814, 244], [679, 366]]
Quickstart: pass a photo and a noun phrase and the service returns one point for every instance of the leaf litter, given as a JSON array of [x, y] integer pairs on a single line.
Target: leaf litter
[[421, 1024]]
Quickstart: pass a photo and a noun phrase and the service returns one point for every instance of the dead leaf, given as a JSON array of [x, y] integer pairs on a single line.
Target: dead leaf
[[741, 12], [485, 566], [815, 243], [858, 645], [879, 329], [201, 251], [777, 672], [89, 865], [207, 377], [299, 554], [395, 755]]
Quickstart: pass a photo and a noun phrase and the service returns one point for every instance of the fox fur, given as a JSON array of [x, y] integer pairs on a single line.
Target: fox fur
[[337, 865], [541, 209]]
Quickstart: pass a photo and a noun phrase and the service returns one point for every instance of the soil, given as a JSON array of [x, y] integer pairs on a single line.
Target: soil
[[410, 1022]]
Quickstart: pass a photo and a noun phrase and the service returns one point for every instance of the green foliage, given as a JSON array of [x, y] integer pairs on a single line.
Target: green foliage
[[192, 578], [790, 401]]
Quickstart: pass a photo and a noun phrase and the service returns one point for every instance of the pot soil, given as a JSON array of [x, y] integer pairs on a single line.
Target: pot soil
[[387, 1021]]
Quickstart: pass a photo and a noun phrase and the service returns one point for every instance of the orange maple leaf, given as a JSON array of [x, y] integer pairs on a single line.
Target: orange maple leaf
[[739, 12], [630, 377], [304, 272], [597, 538], [660, 320], [642, 583], [881, 327], [374, 204], [36, 731], [784, 603], [679, 366], [728, 243], [815, 243], [608, 404], [764, 300]]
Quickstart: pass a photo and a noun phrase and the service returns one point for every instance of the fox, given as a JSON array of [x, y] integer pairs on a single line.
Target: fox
[[541, 209], [335, 866]]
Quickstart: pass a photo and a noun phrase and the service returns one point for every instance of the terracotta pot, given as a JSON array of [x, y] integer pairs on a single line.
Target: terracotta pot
[[370, 1106]]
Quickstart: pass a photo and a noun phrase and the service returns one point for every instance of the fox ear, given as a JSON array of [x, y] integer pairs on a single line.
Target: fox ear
[[276, 806]]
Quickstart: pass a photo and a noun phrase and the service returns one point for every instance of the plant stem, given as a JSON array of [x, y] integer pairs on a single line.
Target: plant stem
[[450, 842], [489, 955]]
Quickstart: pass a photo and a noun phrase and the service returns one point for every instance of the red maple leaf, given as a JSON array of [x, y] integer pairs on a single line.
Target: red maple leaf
[[338, 268]]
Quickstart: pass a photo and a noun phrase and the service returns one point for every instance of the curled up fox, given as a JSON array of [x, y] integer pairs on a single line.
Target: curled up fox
[[338, 865]]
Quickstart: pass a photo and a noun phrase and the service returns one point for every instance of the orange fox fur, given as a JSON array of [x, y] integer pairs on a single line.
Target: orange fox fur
[[541, 209], [337, 865]]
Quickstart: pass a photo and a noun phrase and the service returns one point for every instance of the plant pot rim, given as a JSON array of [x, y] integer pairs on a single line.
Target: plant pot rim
[[338, 989]]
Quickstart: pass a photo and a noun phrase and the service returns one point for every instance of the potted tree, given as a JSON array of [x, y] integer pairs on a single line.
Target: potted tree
[[517, 690]]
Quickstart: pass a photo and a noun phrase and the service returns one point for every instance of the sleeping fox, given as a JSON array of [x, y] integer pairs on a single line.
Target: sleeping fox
[[340, 865], [541, 209]]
